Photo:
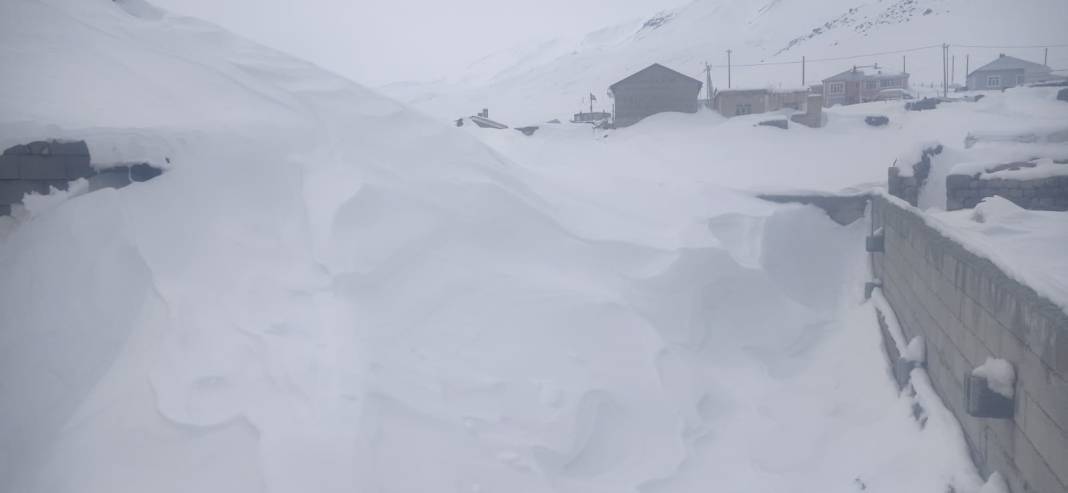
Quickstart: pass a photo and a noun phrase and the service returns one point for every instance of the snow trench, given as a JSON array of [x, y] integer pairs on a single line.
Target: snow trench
[[329, 292], [411, 335]]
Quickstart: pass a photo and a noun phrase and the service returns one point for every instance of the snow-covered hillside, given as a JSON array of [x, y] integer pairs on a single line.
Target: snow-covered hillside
[[327, 291], [552, 79]]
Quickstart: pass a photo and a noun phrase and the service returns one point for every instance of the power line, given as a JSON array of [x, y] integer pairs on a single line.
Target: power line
[[831, 59], [1012, 47]]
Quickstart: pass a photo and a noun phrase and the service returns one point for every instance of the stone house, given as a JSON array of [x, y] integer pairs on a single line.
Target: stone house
[[654, 89], [859, 85], [737, 102], [1008, 71]]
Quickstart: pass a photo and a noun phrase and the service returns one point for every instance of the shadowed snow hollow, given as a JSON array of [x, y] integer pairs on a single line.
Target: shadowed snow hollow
[[326, 292]]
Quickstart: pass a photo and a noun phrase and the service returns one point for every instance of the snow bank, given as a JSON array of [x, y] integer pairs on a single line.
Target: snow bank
[[999, 374]]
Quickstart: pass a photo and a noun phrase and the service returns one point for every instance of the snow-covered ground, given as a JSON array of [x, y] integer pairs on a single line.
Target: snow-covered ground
[[327, 291]]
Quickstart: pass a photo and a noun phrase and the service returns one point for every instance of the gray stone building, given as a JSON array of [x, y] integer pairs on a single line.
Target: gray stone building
[[859, 85], [737, 102], [654, 89], [1008, 71]]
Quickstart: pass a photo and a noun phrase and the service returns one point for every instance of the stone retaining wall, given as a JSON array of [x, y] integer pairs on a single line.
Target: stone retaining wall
[[1049, 194], [967, 309]]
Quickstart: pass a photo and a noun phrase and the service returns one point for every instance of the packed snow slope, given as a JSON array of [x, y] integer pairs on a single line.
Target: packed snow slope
[[327, 291], [538, 82]]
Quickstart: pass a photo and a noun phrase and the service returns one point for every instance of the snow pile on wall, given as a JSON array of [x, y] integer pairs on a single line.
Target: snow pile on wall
[[999, 374], [326, 292], [1027, 245]]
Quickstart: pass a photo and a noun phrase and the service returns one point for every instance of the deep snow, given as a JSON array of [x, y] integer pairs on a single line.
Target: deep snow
[[327, 291]]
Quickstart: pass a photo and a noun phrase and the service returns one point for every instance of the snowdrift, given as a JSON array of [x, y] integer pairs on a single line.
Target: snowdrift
[[328, 292]]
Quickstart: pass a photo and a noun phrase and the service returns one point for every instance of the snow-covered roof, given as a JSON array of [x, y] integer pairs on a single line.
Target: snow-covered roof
[[758, 90], [862, 74], [655, 66], [1005, 62]]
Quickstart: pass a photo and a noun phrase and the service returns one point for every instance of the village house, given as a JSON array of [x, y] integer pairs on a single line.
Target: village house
[[654, 89], [1008, 71], [860, 84], [737, 102]]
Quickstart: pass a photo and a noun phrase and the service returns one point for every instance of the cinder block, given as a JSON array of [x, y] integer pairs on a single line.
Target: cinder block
[[77, 166], [11, 191], [875, 243], [1035, 474], [982, 402], [109, 178], [9, 167], [42, 168], [1049, 440]]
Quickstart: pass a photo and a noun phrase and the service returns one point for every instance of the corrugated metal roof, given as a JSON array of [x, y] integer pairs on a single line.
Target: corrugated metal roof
[[1005, 62]]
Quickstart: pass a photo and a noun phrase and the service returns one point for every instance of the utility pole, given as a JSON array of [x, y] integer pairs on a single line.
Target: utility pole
[[708, 82], [904, 66], [728, 69], [953, 71], [945, 70], [802, 71], [1045, 57]]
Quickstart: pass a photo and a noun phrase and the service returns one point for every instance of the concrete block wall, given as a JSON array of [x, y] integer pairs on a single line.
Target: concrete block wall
[[1048, 194], [967, 309], [38, 167], [908, 188]]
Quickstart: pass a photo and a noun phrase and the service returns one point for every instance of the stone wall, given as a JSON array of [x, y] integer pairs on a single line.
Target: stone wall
[[967, 309], [1049, 194]]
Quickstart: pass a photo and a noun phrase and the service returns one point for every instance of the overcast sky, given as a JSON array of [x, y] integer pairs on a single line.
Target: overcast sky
[[381, 41]]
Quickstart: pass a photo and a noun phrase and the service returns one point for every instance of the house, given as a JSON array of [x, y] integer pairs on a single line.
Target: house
[[861, 84], [654, 89], [1008, 71], [737, 102]]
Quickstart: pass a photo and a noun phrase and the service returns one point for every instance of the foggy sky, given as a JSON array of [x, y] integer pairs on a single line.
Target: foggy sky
[[380, 41]]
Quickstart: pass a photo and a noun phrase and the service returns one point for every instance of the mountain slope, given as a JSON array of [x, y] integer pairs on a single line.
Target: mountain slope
[[775, 32]]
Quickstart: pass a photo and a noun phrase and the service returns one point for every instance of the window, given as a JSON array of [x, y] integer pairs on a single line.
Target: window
[[888, 83], [993, 81], [836, 88], [869, 84], [743, 109]]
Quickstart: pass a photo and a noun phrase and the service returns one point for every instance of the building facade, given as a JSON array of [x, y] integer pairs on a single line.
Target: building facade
[[654, 89], [1007, 71], [858, 85], [738, 102]]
